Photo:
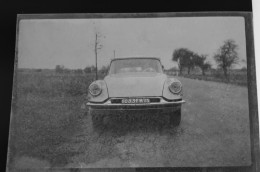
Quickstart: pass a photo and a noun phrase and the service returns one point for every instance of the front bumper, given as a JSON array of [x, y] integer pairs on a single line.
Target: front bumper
[[160, 107]]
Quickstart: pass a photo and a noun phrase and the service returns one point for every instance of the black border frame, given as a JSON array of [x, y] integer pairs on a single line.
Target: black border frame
[[251, 76]]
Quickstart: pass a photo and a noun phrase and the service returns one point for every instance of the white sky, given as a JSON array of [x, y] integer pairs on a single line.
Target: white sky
[[45, 43]]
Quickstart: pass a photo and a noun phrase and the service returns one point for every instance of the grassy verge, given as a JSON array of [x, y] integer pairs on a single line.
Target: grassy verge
[[234, 78], [46, 109]]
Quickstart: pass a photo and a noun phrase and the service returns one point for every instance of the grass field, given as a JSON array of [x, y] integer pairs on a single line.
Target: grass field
[[46, 108], [47, 112]]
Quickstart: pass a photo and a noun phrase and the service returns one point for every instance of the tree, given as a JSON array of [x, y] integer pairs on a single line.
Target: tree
[[200, 61], [59, 68], [93, 69], [104, 69], [206, 66], [184, 57], [227, 56], [66, 70], [87, 69]]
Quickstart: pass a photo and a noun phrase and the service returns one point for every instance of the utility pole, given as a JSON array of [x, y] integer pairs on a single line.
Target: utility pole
[[96, 56], [98, 46], [114, 54]]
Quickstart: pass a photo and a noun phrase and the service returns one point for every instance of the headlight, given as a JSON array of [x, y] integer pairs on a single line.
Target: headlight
[[95, 89], [175, 87]]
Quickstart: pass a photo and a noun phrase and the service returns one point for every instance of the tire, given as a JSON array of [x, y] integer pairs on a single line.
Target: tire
[[175, 119]]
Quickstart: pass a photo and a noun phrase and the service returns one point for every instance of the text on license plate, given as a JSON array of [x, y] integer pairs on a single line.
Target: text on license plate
[[135, 101]]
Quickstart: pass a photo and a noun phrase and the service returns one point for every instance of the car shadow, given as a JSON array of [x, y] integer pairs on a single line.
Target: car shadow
[[120, 126]]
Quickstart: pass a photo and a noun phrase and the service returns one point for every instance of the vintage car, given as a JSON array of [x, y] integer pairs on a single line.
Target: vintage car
[[132, 86]]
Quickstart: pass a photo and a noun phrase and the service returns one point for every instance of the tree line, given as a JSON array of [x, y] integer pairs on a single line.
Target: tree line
[[189, 59], [225, 57], [86, 70]]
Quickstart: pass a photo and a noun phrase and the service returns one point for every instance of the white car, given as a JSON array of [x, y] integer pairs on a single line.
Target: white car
[[132, 86]]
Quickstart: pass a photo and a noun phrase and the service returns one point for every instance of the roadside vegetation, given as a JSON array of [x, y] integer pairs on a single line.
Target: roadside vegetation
[[46, 111], [236, 76], [197, 66]]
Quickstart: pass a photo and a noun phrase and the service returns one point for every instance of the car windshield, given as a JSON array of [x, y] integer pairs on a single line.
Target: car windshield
[[135, 65]]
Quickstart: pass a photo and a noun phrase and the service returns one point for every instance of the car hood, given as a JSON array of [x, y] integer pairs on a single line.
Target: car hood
[[135, 85]]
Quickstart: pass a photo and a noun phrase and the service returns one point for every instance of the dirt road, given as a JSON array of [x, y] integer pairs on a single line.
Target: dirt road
[[214, 131]]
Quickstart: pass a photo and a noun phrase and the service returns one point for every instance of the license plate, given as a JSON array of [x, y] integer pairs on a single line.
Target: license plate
[[135, 101]]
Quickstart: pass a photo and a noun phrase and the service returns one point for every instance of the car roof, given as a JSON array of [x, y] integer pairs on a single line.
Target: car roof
[[156, 58]]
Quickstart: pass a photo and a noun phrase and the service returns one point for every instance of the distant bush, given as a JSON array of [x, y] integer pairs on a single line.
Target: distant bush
[[90, 69], [59, 68], [78, 71]]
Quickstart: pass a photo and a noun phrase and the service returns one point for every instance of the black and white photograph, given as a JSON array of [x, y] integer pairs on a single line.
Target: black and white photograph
[[130, 91]]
